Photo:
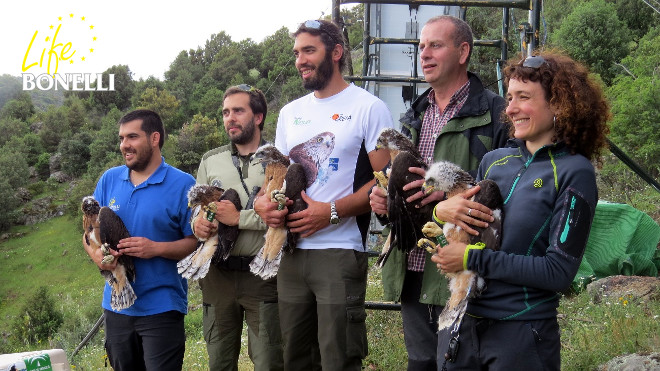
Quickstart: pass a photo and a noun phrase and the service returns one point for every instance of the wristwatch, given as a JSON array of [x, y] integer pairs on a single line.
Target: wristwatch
[[334, 217]]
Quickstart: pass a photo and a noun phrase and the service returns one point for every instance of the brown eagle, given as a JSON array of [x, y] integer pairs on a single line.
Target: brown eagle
[[406, 219], [102, 230], [450, 178], [267, 261], [217, 246]]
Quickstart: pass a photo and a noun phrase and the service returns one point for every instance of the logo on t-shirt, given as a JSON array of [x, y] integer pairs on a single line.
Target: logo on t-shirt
[[298, 121], [113, 205], [341, 117]]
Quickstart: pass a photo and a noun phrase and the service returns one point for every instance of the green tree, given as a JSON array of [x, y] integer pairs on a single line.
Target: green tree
[[9, 87], [12, 127], [162, 102], [593, 34], [8, 204], [278, 66], [194, 139], [13, 168], [142, 85], [211, 104], [54, 127], [75, 153], [76, 113], [121, 96], [42, 166], [28, 146], [20, 107], [637, 16], [635, 98], [215, 46], [180, 79], [104, 148]]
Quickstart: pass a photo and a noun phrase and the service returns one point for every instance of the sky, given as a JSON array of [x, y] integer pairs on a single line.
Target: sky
[[147, 36]]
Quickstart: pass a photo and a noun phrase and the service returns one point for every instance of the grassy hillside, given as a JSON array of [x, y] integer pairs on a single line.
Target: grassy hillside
[[50, 254]]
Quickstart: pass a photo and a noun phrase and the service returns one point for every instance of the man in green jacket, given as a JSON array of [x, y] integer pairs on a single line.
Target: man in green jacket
[[230, 291], [455, 120]]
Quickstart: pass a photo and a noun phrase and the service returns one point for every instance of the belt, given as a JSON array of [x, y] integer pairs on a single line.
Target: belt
[[235, 263]]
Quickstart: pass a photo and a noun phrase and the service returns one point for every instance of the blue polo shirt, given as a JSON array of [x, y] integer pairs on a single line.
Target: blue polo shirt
[[158, 210]]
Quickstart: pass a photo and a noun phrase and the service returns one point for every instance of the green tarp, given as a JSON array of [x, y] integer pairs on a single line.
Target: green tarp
[[623, 241]]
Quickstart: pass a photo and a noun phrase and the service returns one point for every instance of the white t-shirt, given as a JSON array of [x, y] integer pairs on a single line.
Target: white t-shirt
[[327, 135]]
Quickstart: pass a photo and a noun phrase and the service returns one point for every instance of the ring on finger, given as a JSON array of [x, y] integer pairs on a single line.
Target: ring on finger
[[469, 212]]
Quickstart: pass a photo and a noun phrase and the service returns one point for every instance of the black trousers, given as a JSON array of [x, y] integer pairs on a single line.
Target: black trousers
[[420, 325], [486, 344], [156, 342]]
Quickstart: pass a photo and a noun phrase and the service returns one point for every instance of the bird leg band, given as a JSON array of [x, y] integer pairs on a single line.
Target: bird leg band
[[210, 210]]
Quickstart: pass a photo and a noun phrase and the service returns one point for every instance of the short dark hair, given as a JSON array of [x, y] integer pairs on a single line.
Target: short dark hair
[[151, 123], [257, 99], [462, 31], [330, 34]]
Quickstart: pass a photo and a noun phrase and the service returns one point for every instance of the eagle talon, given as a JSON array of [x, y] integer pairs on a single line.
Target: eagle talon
[[210, 210], [427, 245], [278, 195], [107, 259], [105, 249], [431, 229]]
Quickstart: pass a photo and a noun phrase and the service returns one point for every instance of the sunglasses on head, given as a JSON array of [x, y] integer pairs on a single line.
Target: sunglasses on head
[[316, 25], [534, 61], [246, 87]]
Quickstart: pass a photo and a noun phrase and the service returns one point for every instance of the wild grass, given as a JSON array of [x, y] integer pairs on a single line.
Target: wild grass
[[50, 254]]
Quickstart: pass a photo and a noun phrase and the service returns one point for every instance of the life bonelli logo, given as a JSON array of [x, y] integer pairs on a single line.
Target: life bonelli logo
[[66, 43]]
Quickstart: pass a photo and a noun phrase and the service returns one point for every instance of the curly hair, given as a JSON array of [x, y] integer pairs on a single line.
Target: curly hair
[[581, 110]]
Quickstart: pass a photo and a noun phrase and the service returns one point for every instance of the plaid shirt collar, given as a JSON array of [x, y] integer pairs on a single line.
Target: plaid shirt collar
[[435, 120]]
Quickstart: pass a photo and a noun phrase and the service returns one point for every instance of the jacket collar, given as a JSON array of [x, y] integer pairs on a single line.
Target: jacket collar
[[476, 103]]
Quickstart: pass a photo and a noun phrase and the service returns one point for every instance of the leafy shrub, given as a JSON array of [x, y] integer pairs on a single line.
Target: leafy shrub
[[38, 319]]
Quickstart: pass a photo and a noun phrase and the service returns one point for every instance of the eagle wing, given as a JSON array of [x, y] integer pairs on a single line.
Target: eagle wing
[[227, 234], [296, 182], [406, 219]]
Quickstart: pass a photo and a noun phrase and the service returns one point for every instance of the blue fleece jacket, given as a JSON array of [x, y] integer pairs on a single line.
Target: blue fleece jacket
[[550, 198]]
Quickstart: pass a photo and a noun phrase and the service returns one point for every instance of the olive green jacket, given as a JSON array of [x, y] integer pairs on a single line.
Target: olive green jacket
[[476, 129]]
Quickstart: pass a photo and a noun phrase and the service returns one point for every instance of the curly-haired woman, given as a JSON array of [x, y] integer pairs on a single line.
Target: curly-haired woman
[[558, 117]]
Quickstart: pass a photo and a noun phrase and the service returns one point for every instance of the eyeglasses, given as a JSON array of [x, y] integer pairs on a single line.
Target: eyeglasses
[[534, 61], [246, 87], [316, 25]]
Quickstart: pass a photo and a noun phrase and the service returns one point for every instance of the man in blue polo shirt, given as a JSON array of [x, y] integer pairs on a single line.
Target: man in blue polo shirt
[[150, 197]]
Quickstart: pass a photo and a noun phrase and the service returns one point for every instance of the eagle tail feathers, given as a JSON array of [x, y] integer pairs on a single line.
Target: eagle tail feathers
[[463, 286], [122, 295], [197, 264], [264, 267]]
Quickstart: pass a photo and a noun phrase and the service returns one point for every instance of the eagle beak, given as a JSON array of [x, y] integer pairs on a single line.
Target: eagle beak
[[427, 188]]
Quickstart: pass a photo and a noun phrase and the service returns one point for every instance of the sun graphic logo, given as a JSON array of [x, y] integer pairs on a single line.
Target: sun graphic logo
[[52, 48]]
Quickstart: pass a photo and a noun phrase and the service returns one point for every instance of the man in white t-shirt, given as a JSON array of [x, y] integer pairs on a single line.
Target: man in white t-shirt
[[332, 132]]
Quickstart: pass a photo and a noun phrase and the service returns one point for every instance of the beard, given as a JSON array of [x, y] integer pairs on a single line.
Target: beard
[[141, 160], [323, 74], [246, 134]]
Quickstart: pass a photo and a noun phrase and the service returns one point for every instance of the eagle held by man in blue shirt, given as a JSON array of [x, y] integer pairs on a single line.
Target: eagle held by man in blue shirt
[[103, 229]]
